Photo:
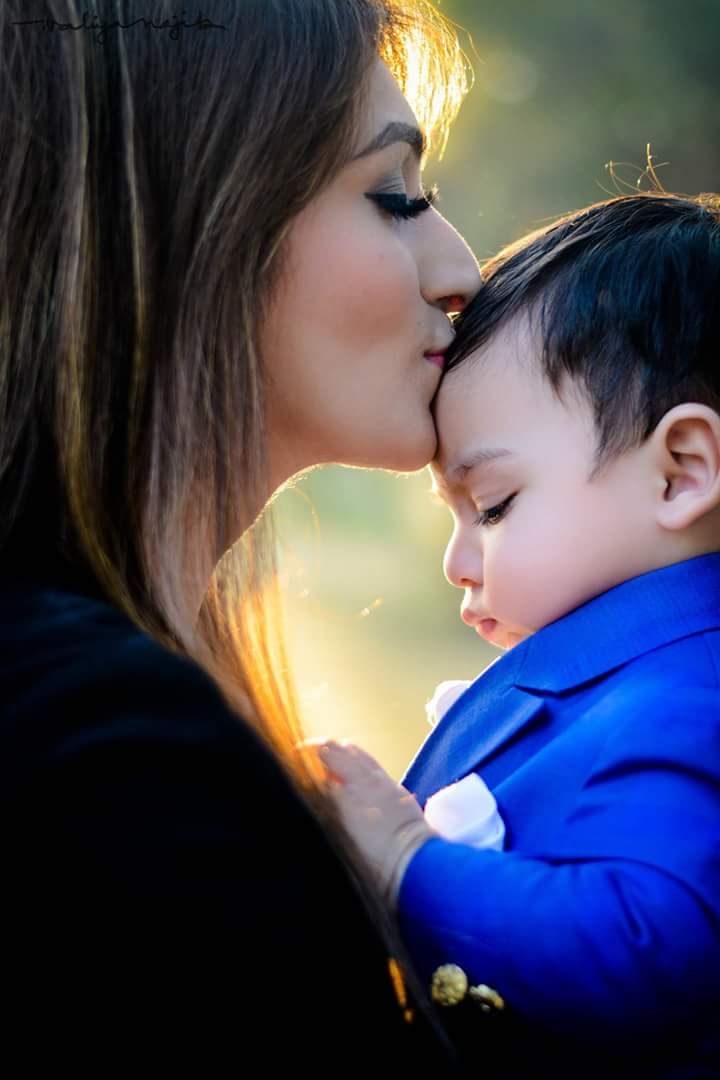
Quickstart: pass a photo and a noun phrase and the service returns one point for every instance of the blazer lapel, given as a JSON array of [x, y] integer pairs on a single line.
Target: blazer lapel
[[481, 720], [652, 610]]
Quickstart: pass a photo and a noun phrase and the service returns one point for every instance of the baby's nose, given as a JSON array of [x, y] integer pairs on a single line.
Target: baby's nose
[[462, 563]]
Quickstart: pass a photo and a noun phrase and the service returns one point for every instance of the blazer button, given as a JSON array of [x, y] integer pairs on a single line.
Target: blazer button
[[449, 984], [488, 999]]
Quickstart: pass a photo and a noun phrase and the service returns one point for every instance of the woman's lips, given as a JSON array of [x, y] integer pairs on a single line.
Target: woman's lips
[[436, 358]]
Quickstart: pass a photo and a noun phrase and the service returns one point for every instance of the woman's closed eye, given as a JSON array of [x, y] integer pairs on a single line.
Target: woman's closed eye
[[494, 514], [399, 206]]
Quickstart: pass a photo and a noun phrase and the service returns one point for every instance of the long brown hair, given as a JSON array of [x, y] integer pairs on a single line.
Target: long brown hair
[[147, 184], [146, 188]]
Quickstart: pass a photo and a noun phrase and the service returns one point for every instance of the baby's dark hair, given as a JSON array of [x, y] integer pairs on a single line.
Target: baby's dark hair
[[625, 298]]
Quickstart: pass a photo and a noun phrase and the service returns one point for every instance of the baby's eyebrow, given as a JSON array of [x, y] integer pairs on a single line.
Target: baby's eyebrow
[[479, 457]]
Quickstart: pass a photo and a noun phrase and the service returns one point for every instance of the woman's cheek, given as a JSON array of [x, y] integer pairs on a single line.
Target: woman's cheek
[[391, 297], [360, 265]]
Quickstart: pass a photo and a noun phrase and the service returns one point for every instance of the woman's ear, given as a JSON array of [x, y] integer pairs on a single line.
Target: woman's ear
[[687, 450]]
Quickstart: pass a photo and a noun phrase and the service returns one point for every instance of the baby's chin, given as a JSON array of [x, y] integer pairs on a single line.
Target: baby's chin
[[501, 635]]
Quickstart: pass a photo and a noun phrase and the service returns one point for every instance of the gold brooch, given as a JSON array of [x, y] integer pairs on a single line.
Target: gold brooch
[[450, 986]]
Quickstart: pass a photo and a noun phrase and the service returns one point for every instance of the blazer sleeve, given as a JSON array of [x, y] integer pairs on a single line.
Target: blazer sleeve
[[614, 929], [167, 896]]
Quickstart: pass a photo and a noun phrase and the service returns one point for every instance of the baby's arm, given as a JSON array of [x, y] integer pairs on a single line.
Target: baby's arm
[[616, 927]]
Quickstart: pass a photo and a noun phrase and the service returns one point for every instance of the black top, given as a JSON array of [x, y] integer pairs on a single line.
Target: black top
[[166, 895]]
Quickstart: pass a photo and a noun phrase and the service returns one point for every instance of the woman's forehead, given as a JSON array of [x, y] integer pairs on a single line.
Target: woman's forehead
[[385, 104]]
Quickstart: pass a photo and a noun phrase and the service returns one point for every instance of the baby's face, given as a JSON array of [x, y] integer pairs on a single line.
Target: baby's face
[[532, 538]]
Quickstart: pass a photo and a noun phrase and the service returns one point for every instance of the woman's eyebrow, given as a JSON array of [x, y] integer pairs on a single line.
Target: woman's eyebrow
[[394, 132]]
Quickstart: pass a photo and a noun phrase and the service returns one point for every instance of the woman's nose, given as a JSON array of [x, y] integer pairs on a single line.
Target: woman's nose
[[449, 273], [463, 562]]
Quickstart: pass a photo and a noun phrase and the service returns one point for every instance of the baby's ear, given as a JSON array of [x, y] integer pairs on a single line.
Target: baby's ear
[[687, 451]]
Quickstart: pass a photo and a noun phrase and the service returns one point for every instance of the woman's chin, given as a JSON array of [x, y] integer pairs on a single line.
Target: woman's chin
[[377, 450], [407, 455], [401, 462]]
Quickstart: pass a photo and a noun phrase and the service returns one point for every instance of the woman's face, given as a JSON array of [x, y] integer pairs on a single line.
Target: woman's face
[[362, 306]]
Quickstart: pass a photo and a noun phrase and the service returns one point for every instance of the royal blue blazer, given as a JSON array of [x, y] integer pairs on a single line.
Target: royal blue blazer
[[599, 737]]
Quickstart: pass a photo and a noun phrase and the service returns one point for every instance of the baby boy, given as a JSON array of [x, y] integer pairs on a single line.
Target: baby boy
[[579, 456]]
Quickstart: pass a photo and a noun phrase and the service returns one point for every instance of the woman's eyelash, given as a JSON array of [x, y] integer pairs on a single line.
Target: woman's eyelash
[[400, 207], [494, 514]]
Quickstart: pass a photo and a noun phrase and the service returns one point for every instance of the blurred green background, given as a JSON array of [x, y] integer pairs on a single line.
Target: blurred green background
[[562, 87]]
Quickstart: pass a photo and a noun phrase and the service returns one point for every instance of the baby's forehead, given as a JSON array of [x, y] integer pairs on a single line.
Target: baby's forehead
[[500, 398], [508, 366], [511, 363], [517, 341]]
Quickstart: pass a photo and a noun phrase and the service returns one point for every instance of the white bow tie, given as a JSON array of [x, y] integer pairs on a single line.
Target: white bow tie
[[446, 694]]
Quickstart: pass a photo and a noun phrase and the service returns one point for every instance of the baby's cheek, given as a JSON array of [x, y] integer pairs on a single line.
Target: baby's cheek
[[536, 579]]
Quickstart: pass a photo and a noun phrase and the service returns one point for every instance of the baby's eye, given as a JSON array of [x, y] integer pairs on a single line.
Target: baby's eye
[[494, 514]]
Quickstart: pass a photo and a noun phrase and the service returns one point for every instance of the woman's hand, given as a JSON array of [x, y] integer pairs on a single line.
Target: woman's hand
[[382, 817]]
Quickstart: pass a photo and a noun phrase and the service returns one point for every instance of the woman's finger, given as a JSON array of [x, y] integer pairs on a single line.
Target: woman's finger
[[352, 759], [314, 748]]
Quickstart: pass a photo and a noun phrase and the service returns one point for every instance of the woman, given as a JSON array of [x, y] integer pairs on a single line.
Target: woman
[[218, 269]]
